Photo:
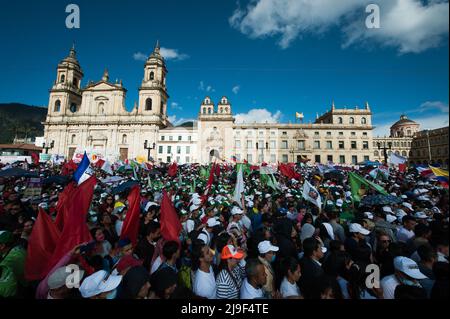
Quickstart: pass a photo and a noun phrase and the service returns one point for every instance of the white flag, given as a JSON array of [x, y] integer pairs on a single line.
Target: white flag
[[240, 188], [396, 159], [106, 167], [311, 194]]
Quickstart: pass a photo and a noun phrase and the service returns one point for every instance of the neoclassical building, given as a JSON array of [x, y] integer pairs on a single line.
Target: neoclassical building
[[94, 118]]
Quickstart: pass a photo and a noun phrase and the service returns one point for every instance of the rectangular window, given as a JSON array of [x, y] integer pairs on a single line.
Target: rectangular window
[[273, 158], [317, 157], [353, 133], [169, 149], [180, 138], [160, 150], [189, 138], [366, 145], [341, 133], [187, 159], [273, 145], [188, 150], [342, 159], [170, 138], [366, 158], [301, 145], [178, 159], [354, 146], [330, 158], [316, 134], [261, 133], [272, 133], [249, 158], [249, 145], [328, 133], [317, 145], [365, 134], [329, 145], [284, 133], [341, 145], [163, 138], [168, 159], [285, 158], [354, 159], [238, 144], [284, 145], [178, 149]]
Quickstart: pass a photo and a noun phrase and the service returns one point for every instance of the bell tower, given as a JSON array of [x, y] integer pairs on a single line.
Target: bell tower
[[65, 94], [153, 91]]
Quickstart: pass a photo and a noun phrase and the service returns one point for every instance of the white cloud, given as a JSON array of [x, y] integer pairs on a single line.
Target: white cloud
[[173, 54], [206, 88], [433, 122], [175, 106], [434, 105], [258, 116], [236, 89], [407, 25], [139, 56]]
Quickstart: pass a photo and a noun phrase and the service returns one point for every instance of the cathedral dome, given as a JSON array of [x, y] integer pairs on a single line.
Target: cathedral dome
[[404, 127]]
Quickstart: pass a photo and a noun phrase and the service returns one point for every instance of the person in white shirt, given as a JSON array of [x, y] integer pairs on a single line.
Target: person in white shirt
[[256, 279], [292, 273], [406, 273], [204, 284], [406, 232], [207, 233], [442, 251]]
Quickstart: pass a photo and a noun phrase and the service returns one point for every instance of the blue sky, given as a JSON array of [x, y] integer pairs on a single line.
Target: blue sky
[[270, 57]]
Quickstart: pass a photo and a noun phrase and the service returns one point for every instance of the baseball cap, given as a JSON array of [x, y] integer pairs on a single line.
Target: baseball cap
[[265, 246], [59, 277], [390, 218], [339, 202], [387, 209], [404, 197], [369, 215], [408, 267], [230, 251], [357, 228], [329, 229], [420, 215], [212, 222], [6, 237], [236, 211], [408, 205], [98, 283]]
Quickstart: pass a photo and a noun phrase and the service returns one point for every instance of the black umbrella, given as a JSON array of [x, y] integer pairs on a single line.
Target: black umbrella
[[335, 174], [57, 179], [17, 172], [123, 187]]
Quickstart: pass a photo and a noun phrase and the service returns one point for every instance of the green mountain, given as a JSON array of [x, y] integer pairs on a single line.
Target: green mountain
[[20, 120]]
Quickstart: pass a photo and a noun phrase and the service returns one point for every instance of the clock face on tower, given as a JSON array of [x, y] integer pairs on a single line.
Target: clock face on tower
[[73, 107]]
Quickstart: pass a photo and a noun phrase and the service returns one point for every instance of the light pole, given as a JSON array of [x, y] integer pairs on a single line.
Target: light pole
[[384, 148], [149, 148], [429, 146], [48, 147]]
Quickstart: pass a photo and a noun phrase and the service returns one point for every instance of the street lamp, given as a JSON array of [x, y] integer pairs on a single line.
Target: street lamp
[[149, 148], [384, 148], [48, 147]]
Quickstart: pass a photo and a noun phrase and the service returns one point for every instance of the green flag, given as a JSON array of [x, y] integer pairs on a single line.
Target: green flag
[[267, 178], [360, 185], [245, 168]]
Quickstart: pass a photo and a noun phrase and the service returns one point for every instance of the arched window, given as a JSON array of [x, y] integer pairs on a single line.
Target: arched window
[[340, 121], [376, 153], [221, 110], [148, 104], [352, 120], [63, 78], [75, 82], [397, 152], [209, 111], [363, 120], [124, 139], [409, 132], [152, 76], [404, 153], [226, 110], [72, 139], [73, 108], [57, 106], [204, 110], [101, 108]]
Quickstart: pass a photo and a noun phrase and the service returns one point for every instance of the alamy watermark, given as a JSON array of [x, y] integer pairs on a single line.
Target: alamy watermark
[[74, 278], [373, 20], [373, 279], [73, 19]]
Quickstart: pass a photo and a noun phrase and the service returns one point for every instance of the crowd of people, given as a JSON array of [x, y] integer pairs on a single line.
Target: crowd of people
[[273, 243]]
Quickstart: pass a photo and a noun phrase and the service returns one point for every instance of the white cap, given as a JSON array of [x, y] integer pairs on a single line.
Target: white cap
[[150, 204], [387, 209], [268, 196], [400, 214], [97, 283], [212, 222], [339, 202], [236, 211], [420, 215], [404, 197], [369, 215], [390, 218], [423, 198], [265, 246], [408, 205], [408, 267], [288, 195], [329, 229], [357, 228], [348, 194], [193, 207], [250, 204]]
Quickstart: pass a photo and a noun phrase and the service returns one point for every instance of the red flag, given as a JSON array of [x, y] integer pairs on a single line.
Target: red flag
[[69, 168], [210, 179], [61, 211], [35, 158], [402, 167], [75, 229], [173, 170], [41, 245], [289, 171], [170, 224], [100, 163], [131, 224], [217, 171]]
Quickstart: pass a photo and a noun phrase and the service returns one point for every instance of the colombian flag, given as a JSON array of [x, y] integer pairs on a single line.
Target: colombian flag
[[440, 174]]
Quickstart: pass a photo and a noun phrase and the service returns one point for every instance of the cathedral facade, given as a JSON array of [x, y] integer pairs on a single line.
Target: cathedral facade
[[94, 118]]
